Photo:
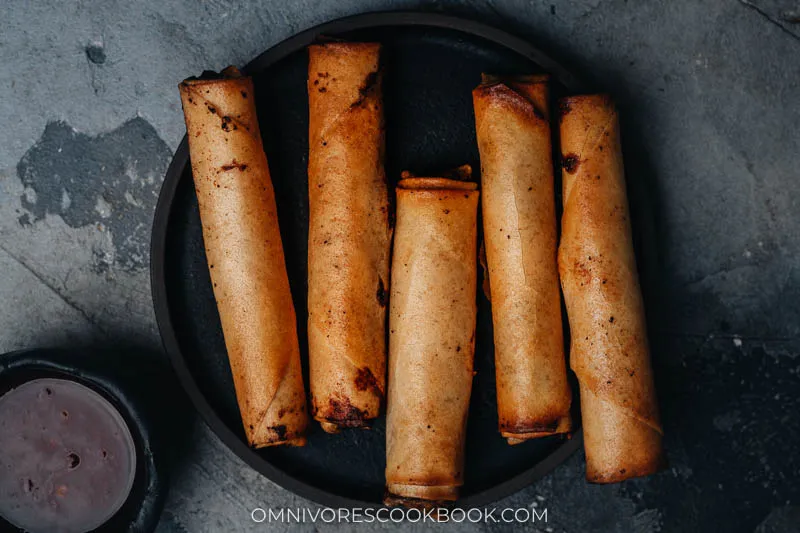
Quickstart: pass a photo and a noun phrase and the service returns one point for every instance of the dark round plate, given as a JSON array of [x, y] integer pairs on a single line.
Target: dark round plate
[[432, 64]]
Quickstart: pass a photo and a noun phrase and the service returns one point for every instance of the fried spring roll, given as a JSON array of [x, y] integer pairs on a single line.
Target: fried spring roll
[[609, 351], [431, 338], [519, 231], [245, 256], [349, 235]]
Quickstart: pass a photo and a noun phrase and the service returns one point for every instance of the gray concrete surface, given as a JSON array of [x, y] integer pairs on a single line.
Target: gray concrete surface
[[91, 115]]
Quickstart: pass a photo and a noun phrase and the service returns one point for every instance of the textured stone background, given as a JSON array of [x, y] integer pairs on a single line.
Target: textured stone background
[[91, 116]]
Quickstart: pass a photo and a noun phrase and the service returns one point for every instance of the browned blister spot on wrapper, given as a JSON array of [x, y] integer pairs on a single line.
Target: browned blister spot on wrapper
[[233, 165], [344, 414], [570, 163], [366, 381]]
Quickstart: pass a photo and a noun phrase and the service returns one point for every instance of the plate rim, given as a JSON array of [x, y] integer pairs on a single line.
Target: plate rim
[[163, 213]]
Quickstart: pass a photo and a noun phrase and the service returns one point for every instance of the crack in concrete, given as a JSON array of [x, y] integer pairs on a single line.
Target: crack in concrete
[[61, 296], [180, 33], [726, 336], [493, 8], [769, 19], [719, 272]]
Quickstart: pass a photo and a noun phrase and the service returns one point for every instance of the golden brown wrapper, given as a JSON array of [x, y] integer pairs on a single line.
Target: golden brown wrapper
[[519, 232], [431, 338], [349, 235], [609, 350], [245, 256]]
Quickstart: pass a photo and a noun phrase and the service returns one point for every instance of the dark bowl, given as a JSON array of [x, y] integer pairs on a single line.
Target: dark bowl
[[111, 378]]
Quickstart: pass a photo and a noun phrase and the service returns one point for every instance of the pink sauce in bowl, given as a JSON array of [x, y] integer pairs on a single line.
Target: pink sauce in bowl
[[67, 457]]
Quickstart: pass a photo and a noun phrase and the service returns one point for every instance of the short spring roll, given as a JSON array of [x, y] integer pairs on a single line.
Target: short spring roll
[[245, 256], [349, 235], [431, 338], [609, 349], [519, 232]]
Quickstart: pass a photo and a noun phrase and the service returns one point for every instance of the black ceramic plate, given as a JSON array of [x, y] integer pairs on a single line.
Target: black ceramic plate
[[432, 63]]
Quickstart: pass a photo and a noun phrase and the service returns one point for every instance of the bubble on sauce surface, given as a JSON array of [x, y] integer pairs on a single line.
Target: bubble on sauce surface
[[67, 456]]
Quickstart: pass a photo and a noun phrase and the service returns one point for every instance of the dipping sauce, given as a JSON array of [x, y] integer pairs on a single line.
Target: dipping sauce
[[67, 457]]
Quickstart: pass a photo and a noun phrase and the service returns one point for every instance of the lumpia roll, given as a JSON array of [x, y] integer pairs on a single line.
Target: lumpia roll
[[349, 235], [431, 338], [245, 256], [519, 231], [609, 351]]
